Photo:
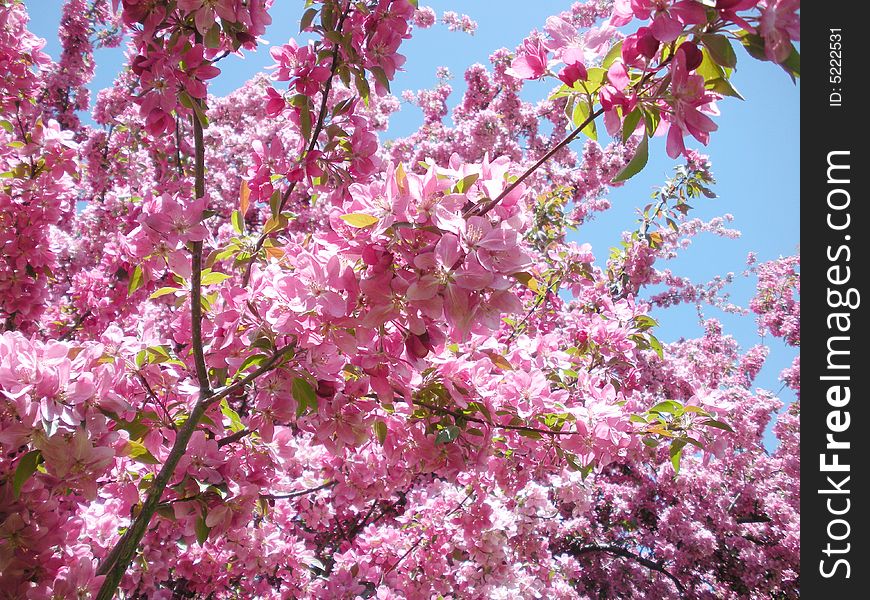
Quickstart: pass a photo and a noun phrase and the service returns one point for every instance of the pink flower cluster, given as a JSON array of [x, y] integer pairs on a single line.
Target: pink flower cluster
[[421, 385]]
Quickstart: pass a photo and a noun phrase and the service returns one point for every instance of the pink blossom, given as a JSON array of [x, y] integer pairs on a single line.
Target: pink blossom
[[531, 60], [779, 25], [689, 96]]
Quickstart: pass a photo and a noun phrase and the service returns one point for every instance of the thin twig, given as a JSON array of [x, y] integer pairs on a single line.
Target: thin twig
[[233, 438], [154, 398], [315, 133], [624, 553], [74, 327], [482, 209], [299, 493], [458, 415]]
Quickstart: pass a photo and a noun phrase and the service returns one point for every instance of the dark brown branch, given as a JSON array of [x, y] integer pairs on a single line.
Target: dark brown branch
[[482, 209], [74, 327], [196, 266], [299, 493], [315, 133], [753, 519], [151, 394], [459, 415], [233, 438], [625, 553], [119, 559]]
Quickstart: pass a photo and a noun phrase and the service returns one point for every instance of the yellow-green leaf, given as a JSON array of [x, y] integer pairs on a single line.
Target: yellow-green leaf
[[162, 292], [137, 279], [359, 220], [380, 431], [26, 467], [138, 452]]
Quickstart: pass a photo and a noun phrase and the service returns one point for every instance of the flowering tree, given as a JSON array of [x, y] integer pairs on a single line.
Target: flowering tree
[[272, 357]]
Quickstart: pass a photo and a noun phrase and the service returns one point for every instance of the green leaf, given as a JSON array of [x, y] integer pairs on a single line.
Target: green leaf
[[792, 64], [238, 222], [612, 54], [213, 36], [163, 292], [651, 116], [629, 124], [691, 408], [380, 431], [447, 435], [709, 68], [213, 277], [723, 87], [656, 345], [138, 452], [380, 77], [26, 467], [667, 406], [720, 49], [234, 418], [644, 322], [136, 428], [304, 395], [137, 279], [466, 182], [305, 121], [166, 511], [718, 425], [254, 359], [202, 530], [200, 113], [275, 222], [676, 453], [500, 361], [595, 77], [753, 43], [579, 115], [158, 354], [362, 86], [307, 19], [636, 164], [527, 280], [359, 220]]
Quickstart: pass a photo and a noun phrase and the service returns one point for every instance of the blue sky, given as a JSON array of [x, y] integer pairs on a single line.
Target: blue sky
[[755, 153]]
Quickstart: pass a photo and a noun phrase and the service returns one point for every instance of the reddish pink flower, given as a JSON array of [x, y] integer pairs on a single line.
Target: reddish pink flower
[[573, 73], [205, 11], [669, 17], [779, 25], [176, 223], [639, 47], [613, 95], [688, 95], [298, 64], [76, 460], [531, 60]]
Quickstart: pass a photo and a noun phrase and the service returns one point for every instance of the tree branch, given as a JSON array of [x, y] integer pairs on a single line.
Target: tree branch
[[459, 415], [315, 133], [482, 209], [296, 494], [119, 559], [625, 553], [233, 438]]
